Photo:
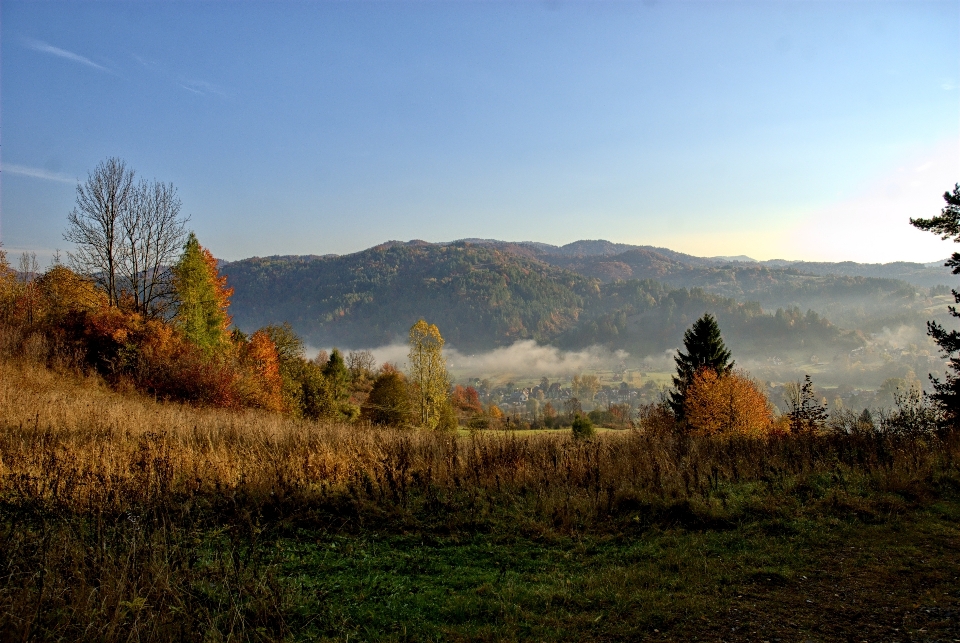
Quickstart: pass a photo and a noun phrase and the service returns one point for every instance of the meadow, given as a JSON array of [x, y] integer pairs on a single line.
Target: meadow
[[125, 518]]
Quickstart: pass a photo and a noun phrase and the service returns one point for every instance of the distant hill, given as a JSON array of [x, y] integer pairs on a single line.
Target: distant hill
[[488, 294], [918, 274], [610, 261], [479, 295]]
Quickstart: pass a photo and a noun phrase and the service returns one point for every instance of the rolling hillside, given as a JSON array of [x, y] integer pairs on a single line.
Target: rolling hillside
[[479, 295], [487, 294]]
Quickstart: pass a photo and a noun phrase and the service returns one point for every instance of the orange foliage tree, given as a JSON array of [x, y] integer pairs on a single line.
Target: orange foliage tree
[[263, 382], [466, 400], [729, 403]]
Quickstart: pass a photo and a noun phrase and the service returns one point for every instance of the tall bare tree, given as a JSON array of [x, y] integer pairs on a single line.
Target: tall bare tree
[[152, 237], [127, 235], [93, 223]]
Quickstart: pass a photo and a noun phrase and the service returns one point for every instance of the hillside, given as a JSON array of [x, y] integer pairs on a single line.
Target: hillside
[[479, 295], [647, 317], [918, 274], [868, 297], [484, 295], [609, 261]]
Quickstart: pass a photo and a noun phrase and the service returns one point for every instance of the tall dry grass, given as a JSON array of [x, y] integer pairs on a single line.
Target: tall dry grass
[[122, 518], [70, 443]]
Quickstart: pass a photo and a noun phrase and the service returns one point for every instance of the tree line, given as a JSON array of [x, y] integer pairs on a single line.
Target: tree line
[[144, 304]]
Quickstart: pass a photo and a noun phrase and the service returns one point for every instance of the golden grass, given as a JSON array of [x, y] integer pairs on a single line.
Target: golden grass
[[124, 518], [71, 442]]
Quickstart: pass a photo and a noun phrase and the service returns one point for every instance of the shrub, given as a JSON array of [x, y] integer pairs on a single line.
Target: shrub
[[582, 428]]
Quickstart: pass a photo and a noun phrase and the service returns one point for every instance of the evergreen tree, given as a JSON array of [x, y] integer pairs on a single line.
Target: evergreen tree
[[202, 297], [947, 225], [338, 376], [705, 349]]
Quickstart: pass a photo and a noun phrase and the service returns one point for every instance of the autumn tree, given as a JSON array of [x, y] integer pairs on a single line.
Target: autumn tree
[[202, 297], [466, 401], [65, 292], [549, 414], [727, 403], [268, 392], [705, 349], [585, 386], [428, 373], [28, 295], [8, 287], [947, 226], [622, 415], [305, 389]]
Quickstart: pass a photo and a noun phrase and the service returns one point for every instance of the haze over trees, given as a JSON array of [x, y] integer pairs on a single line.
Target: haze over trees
[[484, 296]]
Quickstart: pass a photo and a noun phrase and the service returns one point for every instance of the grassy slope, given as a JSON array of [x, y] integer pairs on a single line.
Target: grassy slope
[[809, 578], [226, 548]]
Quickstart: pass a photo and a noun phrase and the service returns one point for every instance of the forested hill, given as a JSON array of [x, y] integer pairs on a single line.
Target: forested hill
[[479, 295], [483, 296], [609, 261]]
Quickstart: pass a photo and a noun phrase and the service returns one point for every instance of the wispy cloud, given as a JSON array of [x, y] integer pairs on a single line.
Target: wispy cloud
[[46, 48], [149, 64], [202, 87], [36, 173]]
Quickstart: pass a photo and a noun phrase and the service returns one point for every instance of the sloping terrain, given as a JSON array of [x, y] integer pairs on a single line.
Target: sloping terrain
[[480, 296], [484, 295]]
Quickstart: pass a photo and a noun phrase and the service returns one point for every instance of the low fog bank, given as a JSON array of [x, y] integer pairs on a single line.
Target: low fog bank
[[903, 352], [523, 359]]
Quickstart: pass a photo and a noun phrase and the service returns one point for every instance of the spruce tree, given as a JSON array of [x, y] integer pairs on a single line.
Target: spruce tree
[[705, 348], [947, 226], [338, 376]]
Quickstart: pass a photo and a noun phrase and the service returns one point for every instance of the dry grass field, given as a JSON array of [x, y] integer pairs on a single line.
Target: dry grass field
[[123, 518]]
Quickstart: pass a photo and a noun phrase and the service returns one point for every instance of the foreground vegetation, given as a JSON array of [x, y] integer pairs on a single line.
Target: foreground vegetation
[[166, 477], [122, 518]]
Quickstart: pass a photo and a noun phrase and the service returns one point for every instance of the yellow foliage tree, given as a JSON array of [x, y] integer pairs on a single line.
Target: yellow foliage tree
[[729, 403], [8, 287], [428, 373], [64, 292]]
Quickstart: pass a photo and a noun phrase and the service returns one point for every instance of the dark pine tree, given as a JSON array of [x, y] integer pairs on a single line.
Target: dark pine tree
[[705, 348], [947, 225]]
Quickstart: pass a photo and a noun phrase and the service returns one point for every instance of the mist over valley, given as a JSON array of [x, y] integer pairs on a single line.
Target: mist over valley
[[516, 312]]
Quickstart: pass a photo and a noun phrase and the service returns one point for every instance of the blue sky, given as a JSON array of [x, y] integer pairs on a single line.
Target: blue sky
[[805, 130]]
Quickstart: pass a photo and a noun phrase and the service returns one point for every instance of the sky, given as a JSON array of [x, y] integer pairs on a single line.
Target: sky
[[797, 130]]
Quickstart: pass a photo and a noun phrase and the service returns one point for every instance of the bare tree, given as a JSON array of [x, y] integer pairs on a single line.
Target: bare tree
[[29, 269], [126, 235], [92, 225], [152, 236], [360, 363]]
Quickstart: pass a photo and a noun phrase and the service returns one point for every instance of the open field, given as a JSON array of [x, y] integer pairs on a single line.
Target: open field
[[126, 519]]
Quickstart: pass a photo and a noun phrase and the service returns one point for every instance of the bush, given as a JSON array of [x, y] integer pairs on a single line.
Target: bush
[[582, 428], [600, 417]]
